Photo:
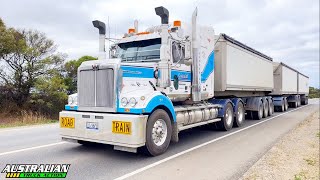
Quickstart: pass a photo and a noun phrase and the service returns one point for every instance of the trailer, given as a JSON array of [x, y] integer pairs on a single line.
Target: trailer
[[241, 70], [290, 87], [169, 78]]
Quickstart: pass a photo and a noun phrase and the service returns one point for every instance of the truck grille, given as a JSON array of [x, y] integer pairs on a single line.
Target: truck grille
[[96, 88]]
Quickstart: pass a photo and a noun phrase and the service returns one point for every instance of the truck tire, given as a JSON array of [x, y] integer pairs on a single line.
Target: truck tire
[[271, 108], [304, 101], [295, 104], [240, 115], [226, 122], [258, 114], [286, 105], [158, 133], [265, 109]]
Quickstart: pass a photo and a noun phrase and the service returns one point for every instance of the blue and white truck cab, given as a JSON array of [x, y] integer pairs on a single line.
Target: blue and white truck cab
[[169, 78], [141, 95]]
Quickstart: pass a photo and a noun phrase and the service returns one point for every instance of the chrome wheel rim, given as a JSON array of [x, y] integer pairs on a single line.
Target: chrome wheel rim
[[159, 132], [240, 114], [228, 117]]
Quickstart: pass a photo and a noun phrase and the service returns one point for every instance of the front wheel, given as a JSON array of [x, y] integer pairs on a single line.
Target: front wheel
[[158, 133]]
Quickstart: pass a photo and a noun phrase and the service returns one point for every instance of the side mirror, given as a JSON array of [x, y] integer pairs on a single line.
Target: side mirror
[[112, 51], [188, 54]]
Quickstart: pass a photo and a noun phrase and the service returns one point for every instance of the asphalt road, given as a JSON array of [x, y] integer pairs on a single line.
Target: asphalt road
[[201, 153]]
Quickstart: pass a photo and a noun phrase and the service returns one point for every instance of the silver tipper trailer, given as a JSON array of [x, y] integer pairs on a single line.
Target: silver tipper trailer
[[240, 70], [290, 83], [288, 80]]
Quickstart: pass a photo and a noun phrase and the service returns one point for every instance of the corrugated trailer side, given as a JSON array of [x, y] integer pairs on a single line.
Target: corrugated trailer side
[[239, 69]]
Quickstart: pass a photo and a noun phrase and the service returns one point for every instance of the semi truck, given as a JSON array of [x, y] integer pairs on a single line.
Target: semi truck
[[172, 77]]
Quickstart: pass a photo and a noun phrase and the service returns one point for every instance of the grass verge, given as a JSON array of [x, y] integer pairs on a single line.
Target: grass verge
[[25, 119]]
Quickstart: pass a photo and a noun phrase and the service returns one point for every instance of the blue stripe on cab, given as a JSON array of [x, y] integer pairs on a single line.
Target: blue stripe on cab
[[208, 68]]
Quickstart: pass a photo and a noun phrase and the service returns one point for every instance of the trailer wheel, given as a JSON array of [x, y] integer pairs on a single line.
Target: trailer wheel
[[258, 114], [295, 105], [304, 101], [240, 115], [271, 108], [265, 109], [158, 133], [286, 105], [226, 122]]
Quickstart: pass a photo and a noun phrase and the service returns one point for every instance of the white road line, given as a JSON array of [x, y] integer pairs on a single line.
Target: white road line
[[32, 148], [199, 146]]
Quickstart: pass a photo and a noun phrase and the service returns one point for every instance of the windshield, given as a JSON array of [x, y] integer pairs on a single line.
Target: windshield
[[145, 50]]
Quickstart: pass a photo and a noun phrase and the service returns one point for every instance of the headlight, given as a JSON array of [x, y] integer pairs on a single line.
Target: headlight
[[124, 101], [132, 102]]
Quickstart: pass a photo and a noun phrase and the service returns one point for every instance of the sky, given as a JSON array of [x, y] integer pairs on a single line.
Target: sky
[[286, 30]]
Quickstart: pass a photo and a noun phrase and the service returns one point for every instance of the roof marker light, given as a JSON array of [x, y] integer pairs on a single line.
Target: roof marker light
[[177, 23]]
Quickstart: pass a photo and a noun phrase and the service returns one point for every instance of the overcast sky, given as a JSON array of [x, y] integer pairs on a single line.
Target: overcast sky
[[287, 30]]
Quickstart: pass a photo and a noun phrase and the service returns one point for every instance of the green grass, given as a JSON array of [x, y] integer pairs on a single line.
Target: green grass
[[318, 134], [300, 176]]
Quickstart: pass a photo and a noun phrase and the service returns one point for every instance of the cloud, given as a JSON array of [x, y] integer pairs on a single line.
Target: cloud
[[287, 30]]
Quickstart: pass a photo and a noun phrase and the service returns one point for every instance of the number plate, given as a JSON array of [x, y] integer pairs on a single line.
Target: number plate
[[121, 127], [67, 122], [92, 125]]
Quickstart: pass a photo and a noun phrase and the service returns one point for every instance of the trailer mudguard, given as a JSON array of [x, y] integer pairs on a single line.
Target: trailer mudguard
[[223, 103], [278, 101], [252, 103], [236, 102], [293, 98]]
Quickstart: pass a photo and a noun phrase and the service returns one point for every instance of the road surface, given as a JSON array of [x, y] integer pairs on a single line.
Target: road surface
[[201, 153]]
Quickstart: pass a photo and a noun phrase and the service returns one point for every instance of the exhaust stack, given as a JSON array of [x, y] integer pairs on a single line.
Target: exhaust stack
[[196, 79], [163, 13], [164, 65], [102, 36]]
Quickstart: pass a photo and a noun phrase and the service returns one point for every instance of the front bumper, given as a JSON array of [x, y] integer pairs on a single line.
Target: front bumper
[[104, 132]]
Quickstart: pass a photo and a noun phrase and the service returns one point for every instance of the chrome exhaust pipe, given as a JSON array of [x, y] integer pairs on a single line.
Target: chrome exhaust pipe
[[102, 36]]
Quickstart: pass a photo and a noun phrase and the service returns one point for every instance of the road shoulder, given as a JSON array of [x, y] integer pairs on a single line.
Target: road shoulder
[[230, 157], [295, 156]]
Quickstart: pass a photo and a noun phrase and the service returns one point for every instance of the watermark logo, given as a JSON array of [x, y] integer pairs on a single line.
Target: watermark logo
[[36, 170]]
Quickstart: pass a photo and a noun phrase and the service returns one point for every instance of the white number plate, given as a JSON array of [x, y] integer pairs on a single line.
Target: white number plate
[[92, 125]]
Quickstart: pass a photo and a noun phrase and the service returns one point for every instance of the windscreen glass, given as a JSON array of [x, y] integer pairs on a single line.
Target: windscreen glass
[[139, 51]]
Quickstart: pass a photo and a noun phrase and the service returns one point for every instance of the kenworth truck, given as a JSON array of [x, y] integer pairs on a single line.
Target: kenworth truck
[[159, 82]]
